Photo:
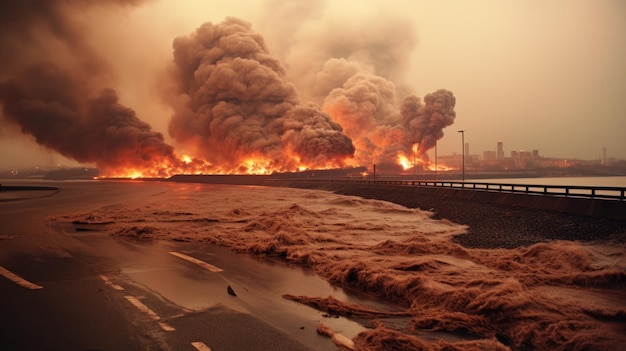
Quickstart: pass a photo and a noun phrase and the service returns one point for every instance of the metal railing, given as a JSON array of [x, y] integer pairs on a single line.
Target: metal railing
[[590, 192]]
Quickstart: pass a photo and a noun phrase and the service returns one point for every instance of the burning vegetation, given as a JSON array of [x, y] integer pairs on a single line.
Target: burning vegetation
[[236, 108]]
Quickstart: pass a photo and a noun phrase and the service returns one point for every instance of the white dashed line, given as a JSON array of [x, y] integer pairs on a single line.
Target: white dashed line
[[203, 264], [18, 280], [166, 327], [108, 282], [343, 341], [200, 346], [143, 308]]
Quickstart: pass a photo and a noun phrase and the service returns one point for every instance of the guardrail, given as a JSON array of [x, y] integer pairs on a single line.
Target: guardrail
[[590, 192]]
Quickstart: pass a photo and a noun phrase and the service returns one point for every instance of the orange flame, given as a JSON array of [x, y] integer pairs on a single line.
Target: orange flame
[[439, 167], [250, 165], [185, 164], [404, 162], [407, 163]]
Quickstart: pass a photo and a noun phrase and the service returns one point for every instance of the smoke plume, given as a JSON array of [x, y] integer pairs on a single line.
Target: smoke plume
[[356, 70], [333, 96], [51, 105], [425, 122], [235, 104], [54, 87]]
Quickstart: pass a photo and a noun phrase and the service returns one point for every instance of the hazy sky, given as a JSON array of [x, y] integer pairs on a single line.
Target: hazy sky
[[546, 75]]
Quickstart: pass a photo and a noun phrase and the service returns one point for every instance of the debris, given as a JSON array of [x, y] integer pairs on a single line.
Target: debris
[[231, 291], [338, 339]]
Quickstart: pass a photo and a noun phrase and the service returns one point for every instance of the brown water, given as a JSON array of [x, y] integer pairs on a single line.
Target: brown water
[[550, 296]]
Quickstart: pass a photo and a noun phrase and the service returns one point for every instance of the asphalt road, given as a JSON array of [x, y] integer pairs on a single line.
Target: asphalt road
[[72, 287]]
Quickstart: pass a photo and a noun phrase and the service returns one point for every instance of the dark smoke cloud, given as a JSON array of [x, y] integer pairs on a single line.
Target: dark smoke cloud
[[51, 105], [367, 108], [32, 31], [322, 51], [235, 104], [365, 102], [313, 136], [54, 87], [425, 122], [356, 69]]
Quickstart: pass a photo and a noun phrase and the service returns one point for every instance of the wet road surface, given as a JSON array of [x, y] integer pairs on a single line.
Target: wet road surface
[[91, 291]]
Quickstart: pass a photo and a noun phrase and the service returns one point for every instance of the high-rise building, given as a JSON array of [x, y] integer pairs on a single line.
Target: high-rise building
[[500, 152]]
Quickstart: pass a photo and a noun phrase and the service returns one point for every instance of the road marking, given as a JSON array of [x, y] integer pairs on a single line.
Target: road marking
[[18, 280], [143, 308], [200, 346], [108, 282], [203, 264], [342, 341], [166, 327]]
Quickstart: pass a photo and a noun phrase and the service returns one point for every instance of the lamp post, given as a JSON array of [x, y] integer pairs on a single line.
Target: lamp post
[[463, 153], [414, 147], [436, 168]]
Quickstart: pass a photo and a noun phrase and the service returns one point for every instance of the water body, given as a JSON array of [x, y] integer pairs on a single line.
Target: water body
[[558, 295], [613, 181]]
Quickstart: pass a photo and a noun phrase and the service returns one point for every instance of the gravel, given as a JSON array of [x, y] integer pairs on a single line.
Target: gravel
[[493, 225]]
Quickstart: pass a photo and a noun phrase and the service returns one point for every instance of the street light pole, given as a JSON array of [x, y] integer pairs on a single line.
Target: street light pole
[[436, 168], [463, 152], [414, 170]]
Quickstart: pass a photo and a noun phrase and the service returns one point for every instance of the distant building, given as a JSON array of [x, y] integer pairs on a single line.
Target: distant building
[[489, 155], [500, 152], [524, 154]]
